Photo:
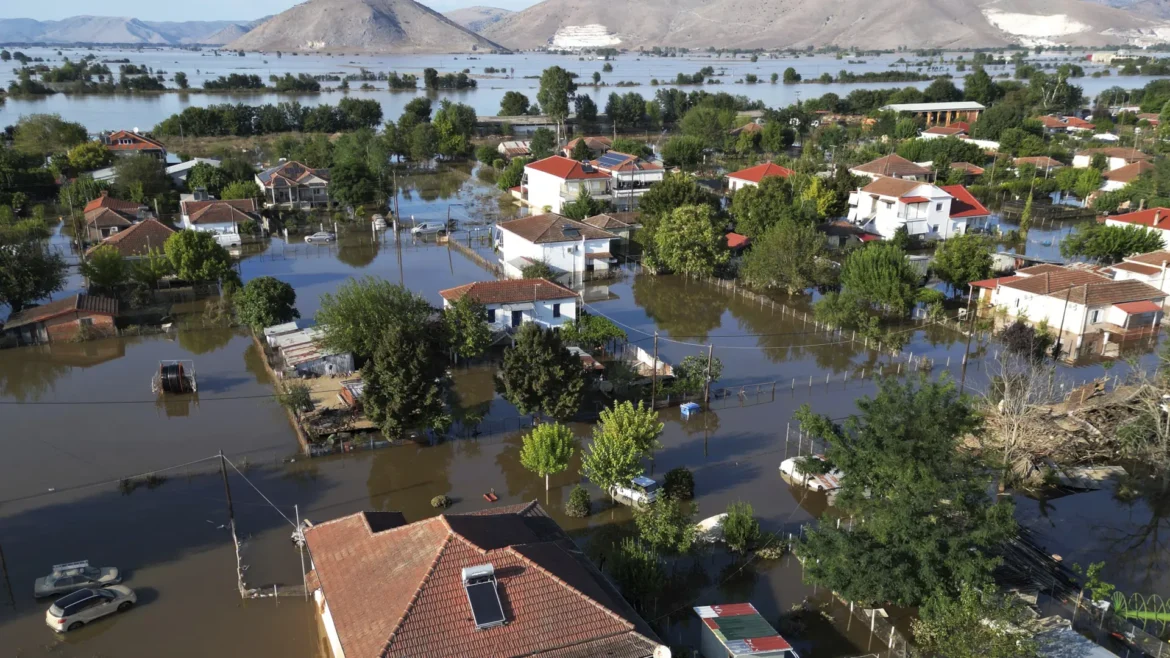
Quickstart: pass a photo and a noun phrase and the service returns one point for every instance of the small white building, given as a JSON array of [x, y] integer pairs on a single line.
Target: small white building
[[1153, 219], [927, 211], [550, 183], [1119, 178], [752, 176], [200, 213], [178, 172], [513, 302], [302, 354], [566, 245], [1116, 157]]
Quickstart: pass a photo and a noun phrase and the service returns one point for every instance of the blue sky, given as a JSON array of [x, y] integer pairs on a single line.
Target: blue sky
[[152, 10]]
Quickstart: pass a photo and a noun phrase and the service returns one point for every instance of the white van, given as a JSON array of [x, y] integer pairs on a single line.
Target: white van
[[640, 491]]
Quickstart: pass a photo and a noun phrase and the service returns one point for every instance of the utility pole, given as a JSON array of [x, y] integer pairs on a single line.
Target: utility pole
[[654, 382], [707, 383], [967, 350], [227, 490]]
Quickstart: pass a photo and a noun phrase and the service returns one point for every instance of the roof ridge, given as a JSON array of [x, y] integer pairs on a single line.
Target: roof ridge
[[418, 590], [626, 622]]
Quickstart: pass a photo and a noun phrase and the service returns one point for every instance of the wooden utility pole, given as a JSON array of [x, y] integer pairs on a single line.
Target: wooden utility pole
[[232, 523], [654, 381], [707, 383]]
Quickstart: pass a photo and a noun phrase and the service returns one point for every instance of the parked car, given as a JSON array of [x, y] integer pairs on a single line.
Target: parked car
[[72, 576], [429, 228], [640, 491], [379, 222], [815, 481], [75, 610], [320, 236]]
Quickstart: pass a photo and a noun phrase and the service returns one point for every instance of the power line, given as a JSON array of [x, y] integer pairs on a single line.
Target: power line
[[105, 482], [151, 401], [237, 470]]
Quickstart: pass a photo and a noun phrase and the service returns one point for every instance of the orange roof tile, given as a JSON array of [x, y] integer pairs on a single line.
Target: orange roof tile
[[1153, 217], [964, 203], [139, 239], [139, 141], [1129, 172], [551, 227], [509, 291], [760, 172], [71, 304], [565, 168], [893, 165]]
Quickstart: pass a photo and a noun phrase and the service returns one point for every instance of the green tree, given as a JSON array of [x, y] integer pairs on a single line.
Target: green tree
[[454, 124], [790, 256], [667, 525], [581, 152], [466, 321], [537, 269], [639, 424], [197, 257], [690, 375], [590, 332], [942, 90], [354, 317], [1088, 181], [962, 259], [613, 458], [266, 301], [924, 521], [241, 189], [42, 135], [974, 624], [1026, 216], [688, 241], [756, 208], [638, 571], [514, 104], [29, 272], [543, 143], [741, 530], [105, 268], [547, 449], [151, 268], [423, 142], [585, 109], [1109, 244], [351, 183], [88, 156], [141, 178], [583, 206], [683, 151], [540, 376], [406, 380], [791, 76], [556, 93], [663, 197], [297, 397], [709, 124], [631, 146], [181, 80], [207, 176], [776, 137], [881, 275], [979, 87]]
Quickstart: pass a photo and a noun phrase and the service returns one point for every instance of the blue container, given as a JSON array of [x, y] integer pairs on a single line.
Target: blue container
[[690, 408]]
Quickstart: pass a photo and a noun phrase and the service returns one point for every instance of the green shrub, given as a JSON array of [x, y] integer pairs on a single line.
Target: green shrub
[[579, 504], [740, 529], [679, 483], [441, 502]]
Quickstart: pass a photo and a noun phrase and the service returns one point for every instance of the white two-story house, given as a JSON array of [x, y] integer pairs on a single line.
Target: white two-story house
[[295, 185], [1155, 220], [554, 181], [927, 211], [630, 177], [566, 245], [513, 302]]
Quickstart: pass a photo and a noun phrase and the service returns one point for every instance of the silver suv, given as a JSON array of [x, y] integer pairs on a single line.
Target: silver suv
[[641, 490], [72, 576], [72, 612]]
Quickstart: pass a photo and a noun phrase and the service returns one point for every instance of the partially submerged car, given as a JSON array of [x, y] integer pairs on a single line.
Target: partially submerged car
[[75, 610], [814, 479], [73, 576], [641, 490]]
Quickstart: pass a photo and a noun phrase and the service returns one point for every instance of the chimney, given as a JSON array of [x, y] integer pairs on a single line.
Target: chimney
[[1141, 205], [1157, 216]]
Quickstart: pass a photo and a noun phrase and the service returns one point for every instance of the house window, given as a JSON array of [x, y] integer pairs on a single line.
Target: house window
[[1095, 317], [934, 228], [556, 310], [85, 322], [938, 207], [491, 315]]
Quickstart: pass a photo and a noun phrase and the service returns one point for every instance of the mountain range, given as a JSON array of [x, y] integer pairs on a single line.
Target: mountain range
[[405, 26]]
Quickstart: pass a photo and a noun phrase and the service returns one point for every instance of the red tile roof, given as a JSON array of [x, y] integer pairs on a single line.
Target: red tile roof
[[964, 203], [895, 187], [1052, 122], [594, 144], [1152, 217], [565, 168], [1133, 308], [219, 212], [1137, 268], [893, 165], [399, 591], [1122, 152], [760, 172], [140, 142], [1040, 269], [1128, 172], [614, 221], [1157, 258], [1084, 287], [992, 284], [944, 130], [289, 174], [139, 239], [75, 303], [967, 167], [551, 227], [106, 201], [737, 241], [1077, 122], [1040, 162], [509, 291], [108, 217]]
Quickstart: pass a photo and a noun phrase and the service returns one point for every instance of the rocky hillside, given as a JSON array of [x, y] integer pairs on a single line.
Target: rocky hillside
[[477, 18], [110, 30], [369, 26], [799, 23]]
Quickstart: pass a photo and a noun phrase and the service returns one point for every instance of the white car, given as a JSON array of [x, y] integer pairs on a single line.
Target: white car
[[73, 576], [640, 491], [429, 228], [817, 482], [72, 612], [228, 239], [320, 236]]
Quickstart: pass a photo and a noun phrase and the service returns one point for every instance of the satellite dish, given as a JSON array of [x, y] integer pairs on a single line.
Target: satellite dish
[[662, 651]]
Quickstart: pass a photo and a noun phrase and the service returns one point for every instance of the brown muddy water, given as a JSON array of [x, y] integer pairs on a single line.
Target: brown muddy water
[[76, 419]]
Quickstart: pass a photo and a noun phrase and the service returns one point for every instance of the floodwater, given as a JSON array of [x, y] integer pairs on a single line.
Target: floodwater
[[146, 110]]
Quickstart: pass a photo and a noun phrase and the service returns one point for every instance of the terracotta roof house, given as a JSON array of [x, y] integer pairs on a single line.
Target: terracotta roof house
[[1041, 162], [293, 184], [63, 319], [925, 210], [138, 240], [630, 177], [513, 302], [1119, 178], [550, 183], [1091, 312], [566, 245], [621, 224], [501, 582], [753, 175], [1153, 118], [220, 217], [893, 166], [597, 146], [105, 216], [1077, 124], [1116, 157], [964, 205], [968, 169], [132, 142], [935, 132], [749, 128], [1053, 124], [1152, 268], [1152, 219]]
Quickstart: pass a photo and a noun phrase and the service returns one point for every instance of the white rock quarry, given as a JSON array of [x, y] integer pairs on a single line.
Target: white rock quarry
[[573, 37], [1035, 29]]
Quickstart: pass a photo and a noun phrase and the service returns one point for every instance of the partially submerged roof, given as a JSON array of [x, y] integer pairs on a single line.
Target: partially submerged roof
[[566, 168], [139, 239], [509, 291], [72, 304], [552, 228], [893, 165], [760, 172], [964, 204], [742, 630], [398, 590]]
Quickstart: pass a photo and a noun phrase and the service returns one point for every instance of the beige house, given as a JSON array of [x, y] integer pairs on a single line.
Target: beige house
[[295, 185]]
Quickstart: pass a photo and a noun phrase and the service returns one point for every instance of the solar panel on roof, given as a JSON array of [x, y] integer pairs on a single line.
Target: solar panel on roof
[[486, 608], [612, 159]]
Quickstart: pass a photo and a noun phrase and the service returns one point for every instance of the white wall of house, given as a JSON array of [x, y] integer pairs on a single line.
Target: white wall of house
[[1165, 232], [1083, 162], [1112, 185], [627, 187], [734, 184], [222, 227], [931, 219], [547, 313], [544, 190], [1038, 308], [566, 256], [327, 622]]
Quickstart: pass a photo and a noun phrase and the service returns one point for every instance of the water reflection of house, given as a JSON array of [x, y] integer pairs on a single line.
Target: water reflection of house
[[1089, 312], [513, 302], [566, 245], [63, 320], [501, 581]]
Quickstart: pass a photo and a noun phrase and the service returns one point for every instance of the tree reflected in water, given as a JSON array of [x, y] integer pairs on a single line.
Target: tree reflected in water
[[687, 310]]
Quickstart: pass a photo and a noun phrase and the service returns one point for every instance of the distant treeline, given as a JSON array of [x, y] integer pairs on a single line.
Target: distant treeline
[[246, 120]]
